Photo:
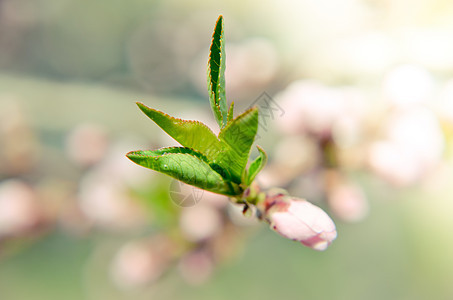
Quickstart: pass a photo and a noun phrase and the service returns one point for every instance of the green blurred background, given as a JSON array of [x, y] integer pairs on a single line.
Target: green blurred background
[[67, 64]]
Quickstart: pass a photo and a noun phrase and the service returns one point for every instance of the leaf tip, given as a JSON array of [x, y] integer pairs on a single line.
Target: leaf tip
[[140, 105], [132, 155], [260, 149]]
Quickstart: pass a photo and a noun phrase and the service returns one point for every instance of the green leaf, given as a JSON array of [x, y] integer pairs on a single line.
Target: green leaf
[[216, 74], [186, 165], [230, 112], [190, 134], [256, 166], [227, 156], [236, 140]]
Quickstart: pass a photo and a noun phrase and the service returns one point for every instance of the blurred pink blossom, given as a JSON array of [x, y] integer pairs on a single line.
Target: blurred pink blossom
[[245, 64], [105, 192], [87, 144], [200, 222], [348, 202], [274, 175], [414, 144], [19, 208], [311, 107], [140, 262], [196, 267], [407, 85], [296, 154], [109, 204]]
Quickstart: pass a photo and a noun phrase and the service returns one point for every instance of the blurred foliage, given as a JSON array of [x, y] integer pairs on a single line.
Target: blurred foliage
[[71, 70]]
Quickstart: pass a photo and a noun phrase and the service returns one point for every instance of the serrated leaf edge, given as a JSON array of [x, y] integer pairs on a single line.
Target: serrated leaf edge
[[175, 118], [242, 115], [230, 115], [214, 87], [190, 151]]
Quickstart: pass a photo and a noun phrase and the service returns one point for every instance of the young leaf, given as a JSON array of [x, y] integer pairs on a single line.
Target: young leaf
[[186, 165], [256, 166], [190, 134], [236, 140], [230, 112], [216, 74]]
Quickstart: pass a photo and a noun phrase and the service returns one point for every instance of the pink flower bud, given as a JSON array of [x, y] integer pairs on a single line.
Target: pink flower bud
[[299, 220]]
